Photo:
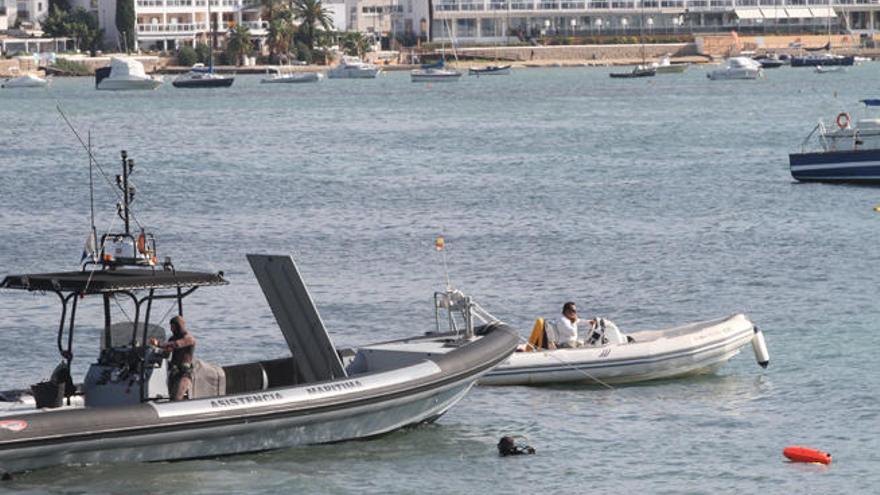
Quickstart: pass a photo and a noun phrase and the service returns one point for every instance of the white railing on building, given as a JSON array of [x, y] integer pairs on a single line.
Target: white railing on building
[[627, 5], [255, 25], [172, 28]]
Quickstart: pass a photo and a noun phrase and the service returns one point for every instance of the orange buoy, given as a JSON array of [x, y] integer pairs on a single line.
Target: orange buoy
[[804, 454]]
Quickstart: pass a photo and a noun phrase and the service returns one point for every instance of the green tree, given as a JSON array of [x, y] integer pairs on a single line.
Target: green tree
[[125, 20], [186, 56], [83, 26], [79, 24], [203, 53], [354, 43], [281, 32], [311, 14], [55, 24], [239, 44]]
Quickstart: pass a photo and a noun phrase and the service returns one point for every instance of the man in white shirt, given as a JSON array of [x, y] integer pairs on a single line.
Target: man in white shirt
[[566, 327]]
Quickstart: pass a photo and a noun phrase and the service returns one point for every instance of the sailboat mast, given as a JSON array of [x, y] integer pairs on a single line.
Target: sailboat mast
[[213, 36]]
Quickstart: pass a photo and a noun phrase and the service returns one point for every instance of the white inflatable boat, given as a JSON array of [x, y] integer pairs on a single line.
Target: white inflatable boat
[[609, 356]]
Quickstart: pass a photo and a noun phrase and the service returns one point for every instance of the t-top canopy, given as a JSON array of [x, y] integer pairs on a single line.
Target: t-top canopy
[[103, 281]]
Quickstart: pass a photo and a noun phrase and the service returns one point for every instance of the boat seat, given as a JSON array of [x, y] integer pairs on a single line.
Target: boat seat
[[543, 332]]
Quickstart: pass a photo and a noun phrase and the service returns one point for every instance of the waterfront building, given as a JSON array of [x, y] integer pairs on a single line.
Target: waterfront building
[[27, 12], [388, 18], [497, 21], [170, 24]]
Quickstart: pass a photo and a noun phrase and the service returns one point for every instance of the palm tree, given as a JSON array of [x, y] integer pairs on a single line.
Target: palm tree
[[354, 43], [281, 31], [312, 14], [239, 43]]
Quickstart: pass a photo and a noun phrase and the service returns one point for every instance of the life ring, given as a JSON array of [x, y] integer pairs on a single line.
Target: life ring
[[843, 120]]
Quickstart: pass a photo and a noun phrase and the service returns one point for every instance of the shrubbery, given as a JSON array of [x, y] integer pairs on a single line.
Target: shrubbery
[[187, 56]]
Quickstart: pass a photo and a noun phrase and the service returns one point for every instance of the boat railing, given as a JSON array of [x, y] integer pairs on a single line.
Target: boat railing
[[819, 127], [459, 306]]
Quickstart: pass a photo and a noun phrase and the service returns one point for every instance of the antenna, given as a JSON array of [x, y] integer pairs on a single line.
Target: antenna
[[91, 179]]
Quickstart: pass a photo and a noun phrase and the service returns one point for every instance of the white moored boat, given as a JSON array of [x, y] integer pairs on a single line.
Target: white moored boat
[[737, 68], [121, 411], [353, 68], [612, 357], [25, 81], [665, 66], [125, 74], [274, 75]]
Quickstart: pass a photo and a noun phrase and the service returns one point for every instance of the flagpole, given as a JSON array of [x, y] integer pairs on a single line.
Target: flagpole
[[440, 245]]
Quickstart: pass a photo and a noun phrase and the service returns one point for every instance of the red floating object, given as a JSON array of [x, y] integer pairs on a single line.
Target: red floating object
[[804, 454]]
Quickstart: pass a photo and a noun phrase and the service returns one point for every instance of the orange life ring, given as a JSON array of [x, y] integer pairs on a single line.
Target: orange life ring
[[843, 120]]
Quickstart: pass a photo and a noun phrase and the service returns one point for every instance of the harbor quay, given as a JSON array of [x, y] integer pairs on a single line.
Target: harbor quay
[[704, 48]]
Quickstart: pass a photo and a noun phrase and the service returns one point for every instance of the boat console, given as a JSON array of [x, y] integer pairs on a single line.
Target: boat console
[[116, 378]]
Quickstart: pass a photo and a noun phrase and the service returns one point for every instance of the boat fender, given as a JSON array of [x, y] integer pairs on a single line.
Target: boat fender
[[510, 446], [805, 454], [760, 348], [843, 120]]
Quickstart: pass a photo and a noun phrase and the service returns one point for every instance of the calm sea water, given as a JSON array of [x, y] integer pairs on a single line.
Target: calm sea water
[[650, 202]]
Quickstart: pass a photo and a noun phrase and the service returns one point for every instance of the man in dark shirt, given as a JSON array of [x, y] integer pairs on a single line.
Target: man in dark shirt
[[182, 347]]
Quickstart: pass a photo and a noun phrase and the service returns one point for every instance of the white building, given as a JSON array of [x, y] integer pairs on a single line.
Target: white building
[[489, 21], [387, 18], [25, 11]]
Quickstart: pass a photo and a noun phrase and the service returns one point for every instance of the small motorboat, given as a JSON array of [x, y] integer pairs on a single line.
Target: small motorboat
[[276, 76], [25, 81], [837, 69], [200, 76], [490, 70], [436, 72], [665, 66], [847, 151], [610, 356], [121, 411], [737, 68], [125, 74], [638, 71], [353, 68], [771, 61], [825, 60]]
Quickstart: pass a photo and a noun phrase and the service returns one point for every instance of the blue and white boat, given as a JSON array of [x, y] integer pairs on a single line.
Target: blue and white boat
[[849, 151]]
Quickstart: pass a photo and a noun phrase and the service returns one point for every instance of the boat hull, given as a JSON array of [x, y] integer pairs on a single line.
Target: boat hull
[[346, 73], [417, 77], [243, 435], [490, 71], [672, 69], [358, 406], [25, 82], [217, 82], [111, 84], [293, 79], [861, 166], [697, 352], [823, 61], [734, 74]]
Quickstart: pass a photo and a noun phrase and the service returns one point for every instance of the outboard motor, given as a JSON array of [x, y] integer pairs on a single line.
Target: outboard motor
[[760, 348]]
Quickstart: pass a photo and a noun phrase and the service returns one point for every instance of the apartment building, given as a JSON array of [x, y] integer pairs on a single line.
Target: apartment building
[[492, 21]]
